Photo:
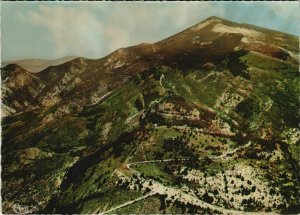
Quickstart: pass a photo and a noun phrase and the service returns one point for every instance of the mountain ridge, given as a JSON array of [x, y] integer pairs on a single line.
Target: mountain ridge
[[37, 65], [194, 43], [210, 113]]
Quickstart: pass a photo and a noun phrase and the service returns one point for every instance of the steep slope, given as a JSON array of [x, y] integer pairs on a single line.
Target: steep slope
[[210, 112], [206, 43], [19, 89]]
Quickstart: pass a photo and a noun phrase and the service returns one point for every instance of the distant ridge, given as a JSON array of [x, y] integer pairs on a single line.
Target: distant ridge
[[37, 65]]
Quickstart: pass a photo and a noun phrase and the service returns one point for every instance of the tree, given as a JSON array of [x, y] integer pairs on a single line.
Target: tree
[[207, 198], [185, 171], [216, 192], [183, 208], [162, 203]]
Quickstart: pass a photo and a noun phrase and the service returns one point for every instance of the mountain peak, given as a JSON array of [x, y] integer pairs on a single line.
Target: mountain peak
[[212, 94], [213, 18], [209, 21]]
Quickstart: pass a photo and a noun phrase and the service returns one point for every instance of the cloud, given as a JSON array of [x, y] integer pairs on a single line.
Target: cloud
[[94, 29], [72, 30], [94, 32], [285, 8], [286, 15]]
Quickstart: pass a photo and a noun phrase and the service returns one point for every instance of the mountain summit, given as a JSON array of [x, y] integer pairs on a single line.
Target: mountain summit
[[204, 121], [205, 43]]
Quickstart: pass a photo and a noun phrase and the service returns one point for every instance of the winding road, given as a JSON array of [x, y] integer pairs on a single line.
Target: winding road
[[127, 203], [176, 193]]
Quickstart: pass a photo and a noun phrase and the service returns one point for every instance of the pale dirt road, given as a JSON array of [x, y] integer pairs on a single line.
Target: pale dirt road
[[127, 203], [178, 194]]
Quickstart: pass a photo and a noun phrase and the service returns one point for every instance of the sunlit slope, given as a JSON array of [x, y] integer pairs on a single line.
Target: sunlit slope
[[211, 112]]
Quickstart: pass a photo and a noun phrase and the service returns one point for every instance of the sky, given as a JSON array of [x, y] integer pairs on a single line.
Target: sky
[[50, 30]]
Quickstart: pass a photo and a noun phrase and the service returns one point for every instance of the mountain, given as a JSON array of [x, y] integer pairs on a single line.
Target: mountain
[[37, 65], [19, 89], [205, 121]]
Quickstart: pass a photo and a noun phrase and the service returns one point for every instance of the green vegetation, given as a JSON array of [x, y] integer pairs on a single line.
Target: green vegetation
[[217, 124], [190, 85]]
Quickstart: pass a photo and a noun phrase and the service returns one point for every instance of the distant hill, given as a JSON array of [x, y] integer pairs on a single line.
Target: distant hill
[[37, 65]]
